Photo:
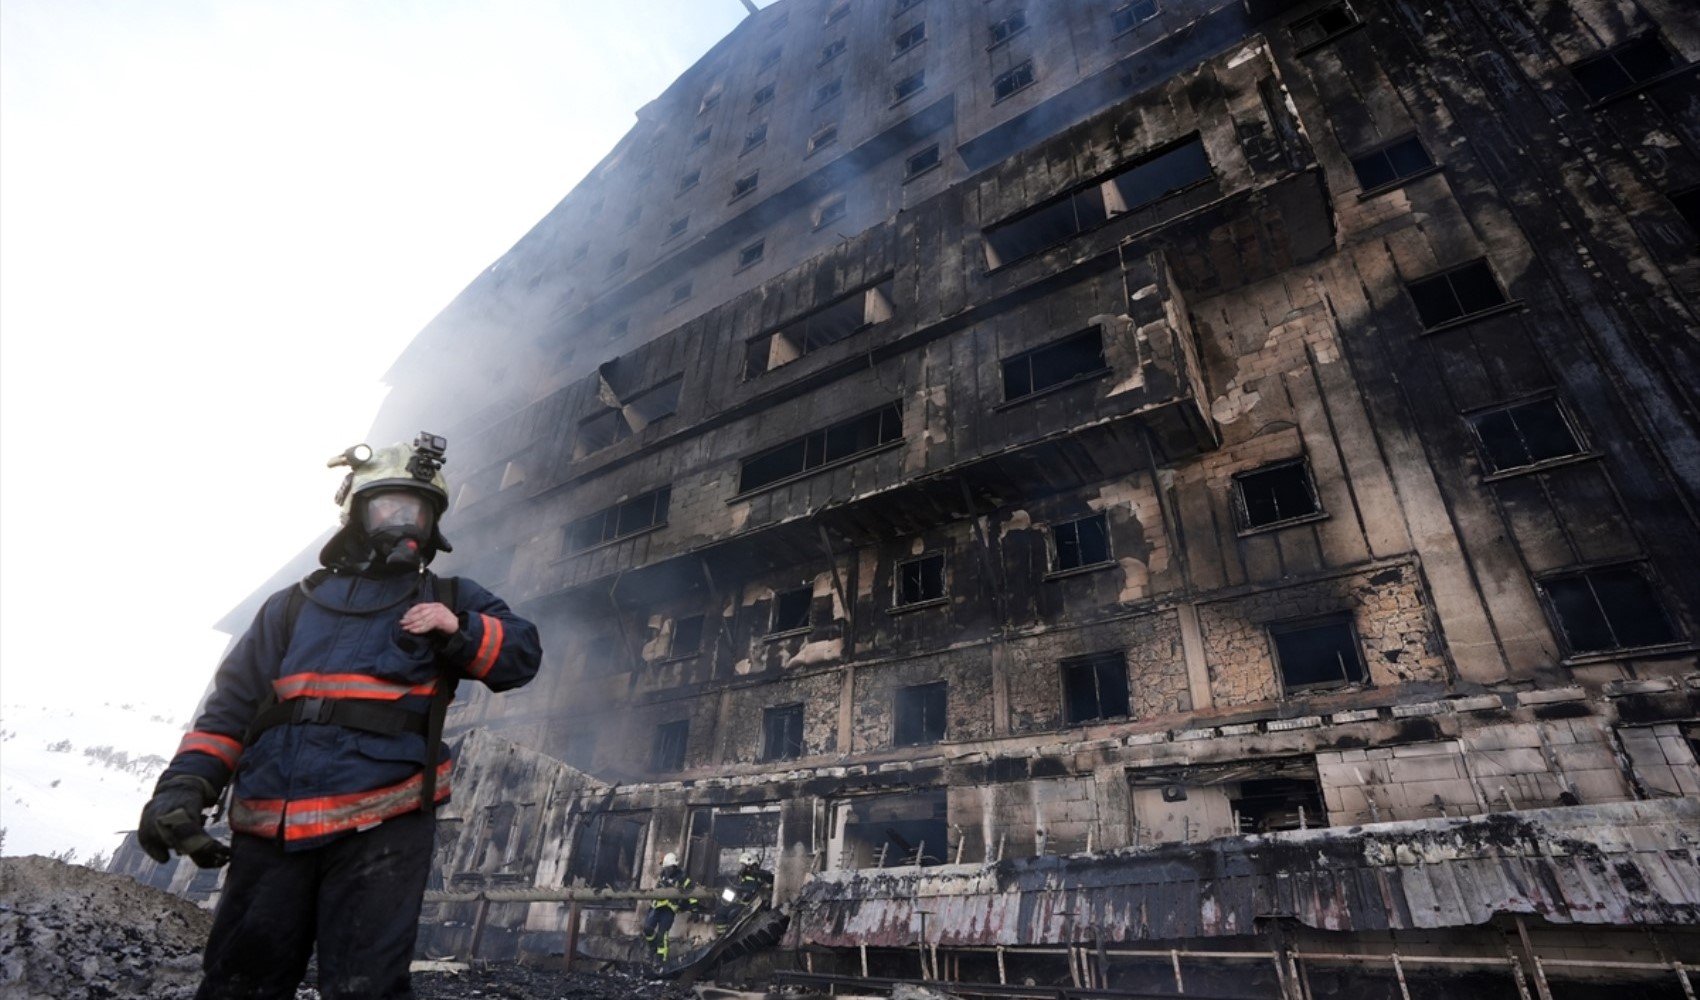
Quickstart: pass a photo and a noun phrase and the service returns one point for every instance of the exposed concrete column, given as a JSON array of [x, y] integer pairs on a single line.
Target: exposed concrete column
[[1000, 689], [1192, 647]]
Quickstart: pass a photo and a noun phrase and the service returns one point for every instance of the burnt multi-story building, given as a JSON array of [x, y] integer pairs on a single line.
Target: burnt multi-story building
[[1109, 493]]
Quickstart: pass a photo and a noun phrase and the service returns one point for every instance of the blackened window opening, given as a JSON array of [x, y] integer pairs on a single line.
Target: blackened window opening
[[828, 325], [752, 254], [910, 37], [1623, 67], [838, 443], [1527, 434], [1688, 206], [755, 137], [762, 95], [1610, 608], [908, 86], [687, 636], [1095, 687], [1081, 543], [1264, 805], [1323, 26], [831, 50], [829, 212], [1074, 358], [669, 751], [919, 714], [920, 580], [827, 91], [1008, 83], [825, 137], [921, 162], [1277, 494], [745, 184], [1129, 15], [782, 733], [1456, 294], [791, 609], [1145, 182], [605, 850], [599, 432], [1391, 163], [637, 514], [899, 829], [1317, 654]]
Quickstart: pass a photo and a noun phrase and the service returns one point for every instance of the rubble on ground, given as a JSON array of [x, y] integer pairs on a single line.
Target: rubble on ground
[[72, 933]]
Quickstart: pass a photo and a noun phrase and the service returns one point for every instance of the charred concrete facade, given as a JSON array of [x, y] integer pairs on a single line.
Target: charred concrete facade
[[997, 457]]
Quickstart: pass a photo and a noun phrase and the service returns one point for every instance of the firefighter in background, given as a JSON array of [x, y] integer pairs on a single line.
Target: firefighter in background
[[748, 891], [659, 921], [328, 713]]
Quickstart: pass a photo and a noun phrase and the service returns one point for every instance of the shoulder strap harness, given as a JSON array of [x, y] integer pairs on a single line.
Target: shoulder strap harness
[[386, 720]]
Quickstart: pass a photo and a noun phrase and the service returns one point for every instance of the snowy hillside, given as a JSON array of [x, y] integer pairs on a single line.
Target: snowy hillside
[[75, 779]]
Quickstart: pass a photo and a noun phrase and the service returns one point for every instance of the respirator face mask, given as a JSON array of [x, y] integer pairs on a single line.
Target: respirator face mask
[[399, 523]]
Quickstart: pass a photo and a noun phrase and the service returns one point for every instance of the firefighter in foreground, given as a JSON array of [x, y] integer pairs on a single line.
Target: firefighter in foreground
[[329, 714], [658, 922], [749, 891]]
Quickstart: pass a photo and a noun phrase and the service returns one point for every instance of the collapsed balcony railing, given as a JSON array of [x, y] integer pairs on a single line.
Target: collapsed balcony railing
[[576, 896]]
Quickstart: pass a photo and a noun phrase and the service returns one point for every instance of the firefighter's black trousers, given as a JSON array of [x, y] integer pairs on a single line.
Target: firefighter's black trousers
[[357, 898]]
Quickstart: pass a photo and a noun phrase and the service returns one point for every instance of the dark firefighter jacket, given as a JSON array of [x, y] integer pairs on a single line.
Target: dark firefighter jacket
[[309, 783]]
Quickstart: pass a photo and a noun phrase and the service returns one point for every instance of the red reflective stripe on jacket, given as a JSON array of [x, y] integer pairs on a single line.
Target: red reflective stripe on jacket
[[227, 749], [304, 819], [347, 686], [489, 648]]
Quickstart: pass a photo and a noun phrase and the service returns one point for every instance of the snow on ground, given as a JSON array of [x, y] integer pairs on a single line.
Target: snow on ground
[[76, 779]]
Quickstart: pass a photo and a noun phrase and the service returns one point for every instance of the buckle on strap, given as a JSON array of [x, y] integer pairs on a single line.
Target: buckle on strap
[[314, 710]]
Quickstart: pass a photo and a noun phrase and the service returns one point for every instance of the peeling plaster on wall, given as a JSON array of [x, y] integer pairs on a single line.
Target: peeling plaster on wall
[[1244, 56], [1145, 292], [824, 651], [822, 585], [756, 595], [867, 571], [740, 514], [1121, 493], [1137, 580], [743, 667], [917, 545], [1018, 520], [1233, 404]]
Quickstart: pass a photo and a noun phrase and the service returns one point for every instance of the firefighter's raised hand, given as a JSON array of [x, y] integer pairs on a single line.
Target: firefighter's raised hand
[[422, 619]]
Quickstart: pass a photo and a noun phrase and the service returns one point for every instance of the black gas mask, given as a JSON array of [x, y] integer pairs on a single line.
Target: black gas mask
[[399, 525]]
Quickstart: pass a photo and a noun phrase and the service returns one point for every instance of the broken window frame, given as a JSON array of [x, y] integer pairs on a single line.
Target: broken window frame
[[1106, 198], [923, 162], [782, 733], [1304, 793], [1632, 83], [1005, 29], [1097, 667], [923, 566], [832, 50], [1062, 347], [837, 14], [593, 833], [1013, 81], [1131, 15], [1071, 530], [1398, 176], [1492, 470], [1297, 28], [1472, 269], [912, 811], [1318, 623], [918, 700], [589, 439], [1243, 506], [802, 336], [672, 743], [829, 91], [763, 96], [792, 612], [822, 449], [1615, 621], [642, 513]]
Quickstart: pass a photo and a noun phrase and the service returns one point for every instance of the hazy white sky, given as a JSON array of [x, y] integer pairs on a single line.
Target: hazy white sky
[[219, 223]]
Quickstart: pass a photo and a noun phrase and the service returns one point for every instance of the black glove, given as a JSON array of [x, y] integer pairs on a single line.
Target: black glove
[[172, 821]]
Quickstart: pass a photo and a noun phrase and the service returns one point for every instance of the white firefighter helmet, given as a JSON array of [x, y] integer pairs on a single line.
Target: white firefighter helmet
[[417, 468], [669, 859], [747, 858]]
